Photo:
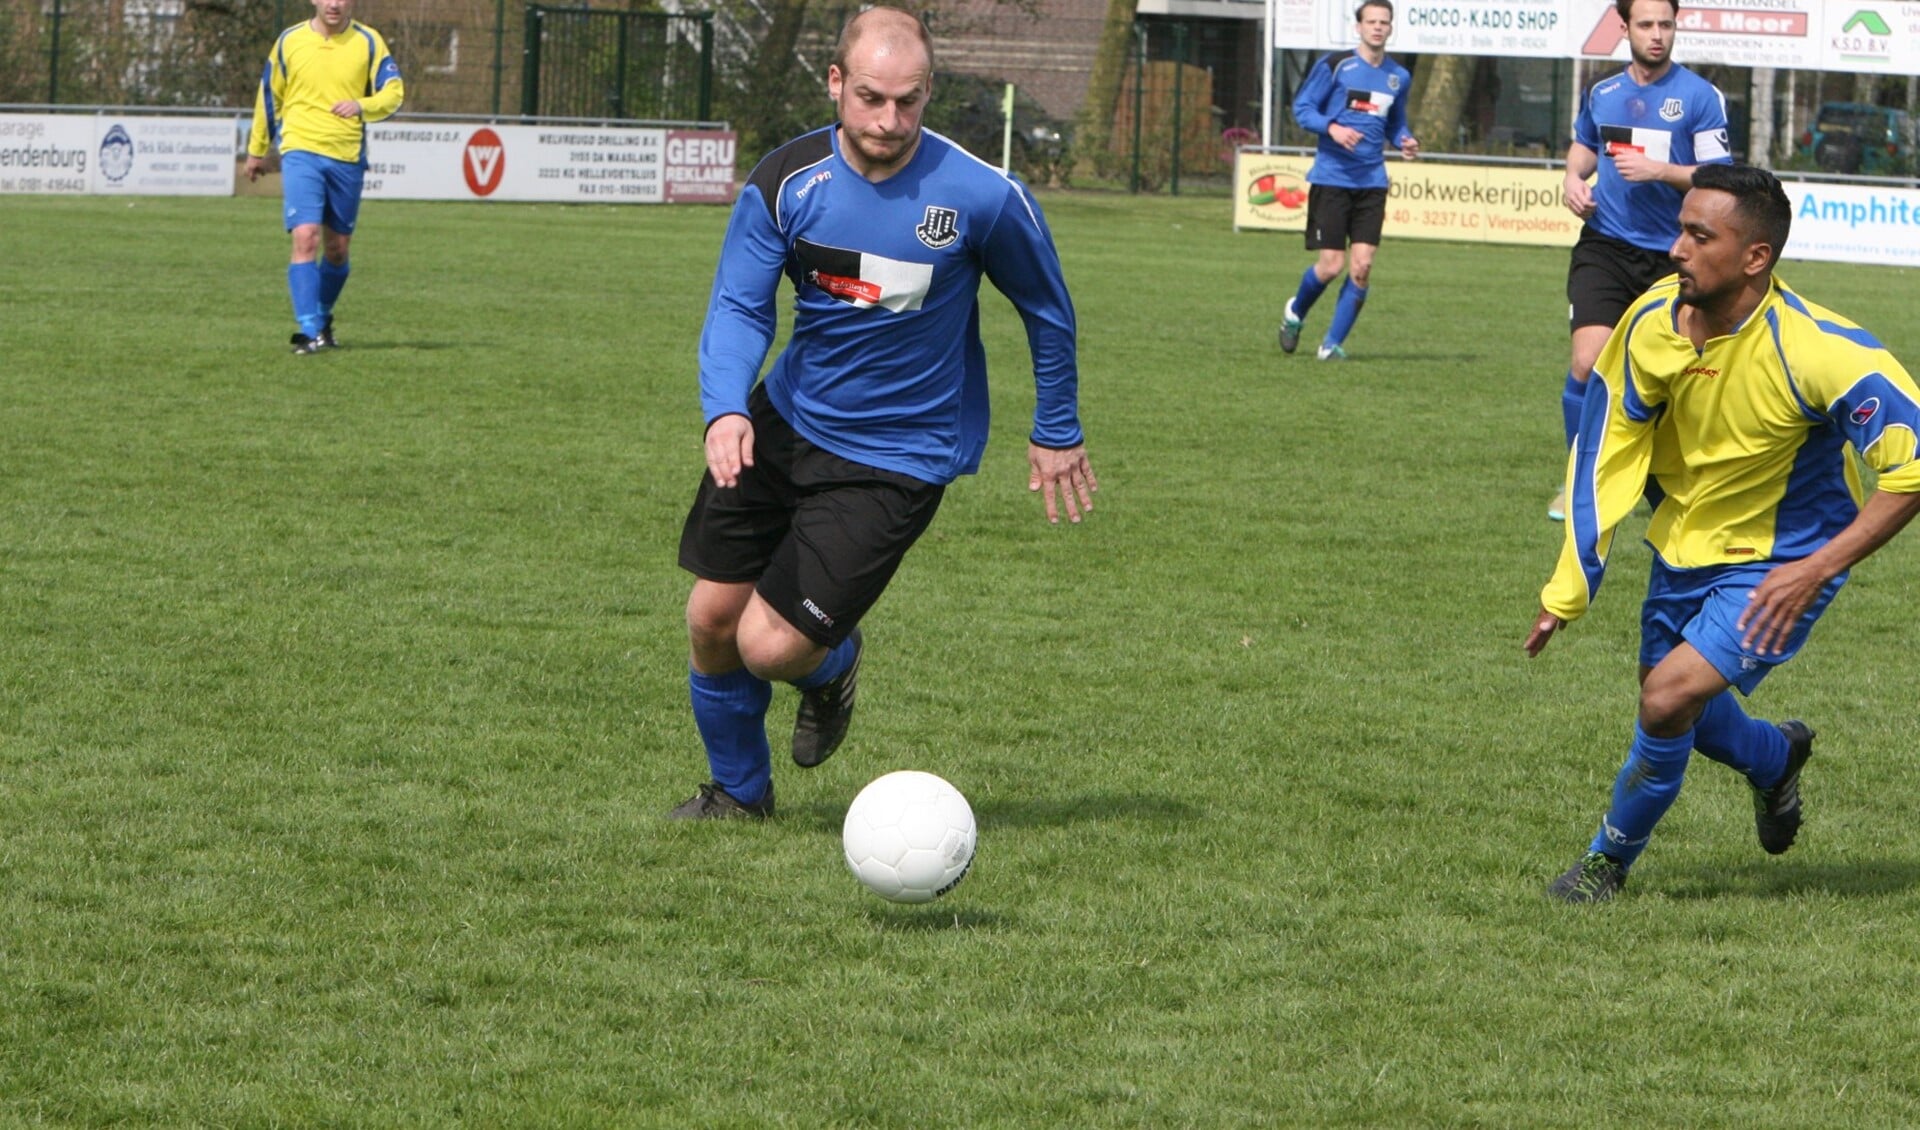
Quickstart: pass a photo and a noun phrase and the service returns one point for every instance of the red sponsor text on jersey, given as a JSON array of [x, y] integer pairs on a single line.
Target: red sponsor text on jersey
[[841, 287]]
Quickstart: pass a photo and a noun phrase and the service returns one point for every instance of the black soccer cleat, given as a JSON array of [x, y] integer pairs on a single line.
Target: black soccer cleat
[[1776, 811], [821, 723], [304, 345], [712, 802], [326, 335], [1596, 878]]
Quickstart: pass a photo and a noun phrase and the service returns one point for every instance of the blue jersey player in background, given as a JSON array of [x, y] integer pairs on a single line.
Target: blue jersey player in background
[[822, 476], [1746, 406], [1644, 130], [1356, 102]]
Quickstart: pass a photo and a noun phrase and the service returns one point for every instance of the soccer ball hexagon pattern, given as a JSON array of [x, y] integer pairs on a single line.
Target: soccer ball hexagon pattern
[[909, 836]]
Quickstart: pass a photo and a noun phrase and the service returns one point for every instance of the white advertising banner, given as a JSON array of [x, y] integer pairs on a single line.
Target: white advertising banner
[[73, 154], [1848, 223], [48, 153], [572, 164], [165, 156], [1824, 35]]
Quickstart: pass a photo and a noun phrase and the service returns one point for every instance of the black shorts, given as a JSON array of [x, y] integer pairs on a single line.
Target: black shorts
[[1605, 275], [819, 535], [1336, 216]]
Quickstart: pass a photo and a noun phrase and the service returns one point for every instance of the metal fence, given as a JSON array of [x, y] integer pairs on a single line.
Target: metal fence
[[586, 63], [457, 56]]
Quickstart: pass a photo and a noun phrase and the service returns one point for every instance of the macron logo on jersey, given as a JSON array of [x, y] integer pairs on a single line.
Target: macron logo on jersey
[[863, 279]]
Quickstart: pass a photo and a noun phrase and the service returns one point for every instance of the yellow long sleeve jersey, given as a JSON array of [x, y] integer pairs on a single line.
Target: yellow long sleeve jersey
[[307, 74], [1746, 440]]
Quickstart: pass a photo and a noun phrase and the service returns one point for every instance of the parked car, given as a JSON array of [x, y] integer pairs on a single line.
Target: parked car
[[1853, 137]]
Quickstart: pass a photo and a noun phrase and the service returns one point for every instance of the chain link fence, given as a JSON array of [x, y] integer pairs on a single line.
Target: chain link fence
[[1165, 120]]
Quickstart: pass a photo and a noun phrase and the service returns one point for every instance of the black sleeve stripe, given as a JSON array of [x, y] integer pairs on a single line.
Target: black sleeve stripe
[[779, 166]]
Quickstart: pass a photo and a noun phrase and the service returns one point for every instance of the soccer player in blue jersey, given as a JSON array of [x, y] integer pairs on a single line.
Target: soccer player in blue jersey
[[1742, 406], [324, 80], [822, 476], [1644, 130], [1356, 102]]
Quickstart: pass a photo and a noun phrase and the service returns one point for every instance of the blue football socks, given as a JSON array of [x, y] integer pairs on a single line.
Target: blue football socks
[[1311, 288], [1746, 744], [1573, 396], [730, 712], [1352, 298], [836, 661], [1647, 786], [333, 279], [303, 283]]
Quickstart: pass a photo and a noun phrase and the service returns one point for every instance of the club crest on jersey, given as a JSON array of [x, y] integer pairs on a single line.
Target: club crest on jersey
[[1393, 82], [940, 228], [1671, 110], [1866, 411]]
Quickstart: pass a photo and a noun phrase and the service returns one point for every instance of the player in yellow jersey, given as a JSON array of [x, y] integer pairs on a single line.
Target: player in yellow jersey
[[324, 80], [1738, 408]]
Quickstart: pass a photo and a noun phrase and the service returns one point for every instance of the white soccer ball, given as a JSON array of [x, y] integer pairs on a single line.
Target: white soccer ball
[[909, 836]]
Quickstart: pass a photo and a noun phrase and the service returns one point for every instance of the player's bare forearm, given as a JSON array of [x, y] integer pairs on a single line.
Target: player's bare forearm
[[1777, 602], [1065, 479]]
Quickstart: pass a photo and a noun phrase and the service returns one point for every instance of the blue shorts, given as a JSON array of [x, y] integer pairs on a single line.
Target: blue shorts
[[1701, 607], [321, 190]]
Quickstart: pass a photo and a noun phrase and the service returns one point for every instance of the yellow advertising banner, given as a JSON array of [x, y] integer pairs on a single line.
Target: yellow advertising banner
[[1470, 203]]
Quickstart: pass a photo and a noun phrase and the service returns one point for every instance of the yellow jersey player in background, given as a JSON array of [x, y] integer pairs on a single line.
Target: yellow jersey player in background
[[1737, 407], [324, 80]]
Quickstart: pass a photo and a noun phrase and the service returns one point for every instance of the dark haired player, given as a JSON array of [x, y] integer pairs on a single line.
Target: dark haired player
[[1742, 406], [1356, 102], [820, 478], [1644, 130]]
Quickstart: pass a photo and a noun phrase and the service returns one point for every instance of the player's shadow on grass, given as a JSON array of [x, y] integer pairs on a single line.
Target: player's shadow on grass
[[1049, 812], [1868, 878], [939, 916], [359, 345]]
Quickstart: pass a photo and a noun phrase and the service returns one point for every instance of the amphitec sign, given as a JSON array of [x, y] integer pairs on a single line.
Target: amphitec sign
[[67, 154], [1826, 35], [574, 164]]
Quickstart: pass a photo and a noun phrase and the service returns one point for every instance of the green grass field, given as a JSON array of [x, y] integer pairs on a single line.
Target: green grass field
[[340, 699]]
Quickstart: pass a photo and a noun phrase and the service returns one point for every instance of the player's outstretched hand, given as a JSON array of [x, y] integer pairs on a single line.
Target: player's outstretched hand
[[1776, 604], [729, 448], [1062, 477], [1544, 625]]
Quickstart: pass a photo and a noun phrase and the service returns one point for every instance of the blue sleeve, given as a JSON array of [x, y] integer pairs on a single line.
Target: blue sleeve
[[1020, 260], [1312, 96], [1397, 131], [743, 311], [1584, 130]]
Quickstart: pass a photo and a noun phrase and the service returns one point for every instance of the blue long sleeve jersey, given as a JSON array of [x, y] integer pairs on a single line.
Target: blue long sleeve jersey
[[1347, 89], [1747, 439], [1679, 118], [885, 366]]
